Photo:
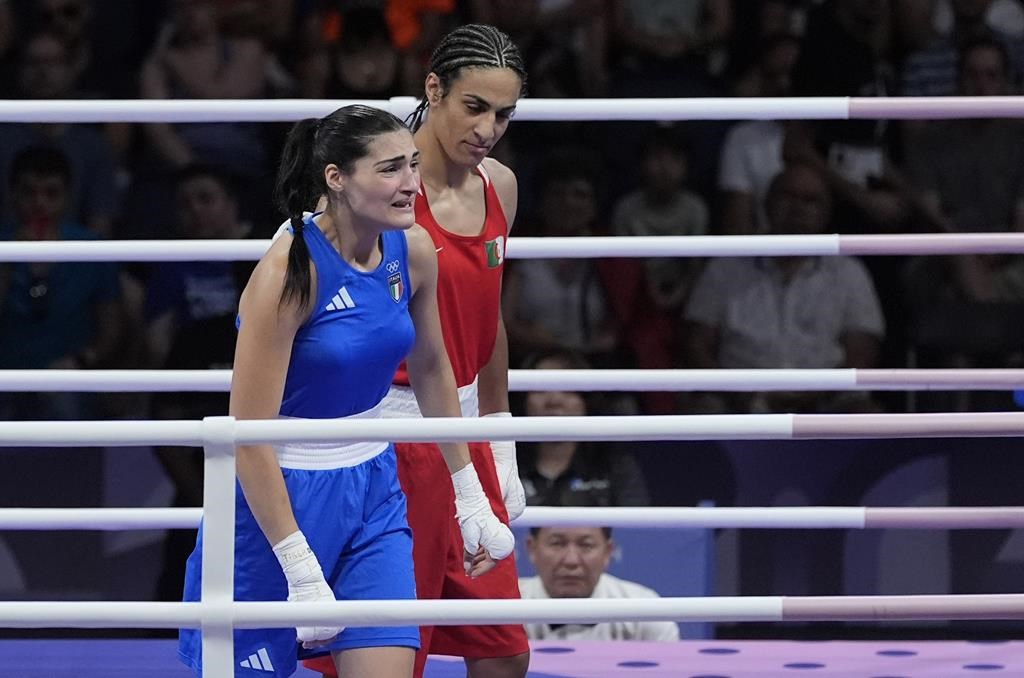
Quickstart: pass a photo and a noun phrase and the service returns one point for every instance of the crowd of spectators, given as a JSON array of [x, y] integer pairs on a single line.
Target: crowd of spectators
[[211, 180]]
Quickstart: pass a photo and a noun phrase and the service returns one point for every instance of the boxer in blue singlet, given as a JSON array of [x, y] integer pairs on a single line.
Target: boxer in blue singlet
[[322, 341]]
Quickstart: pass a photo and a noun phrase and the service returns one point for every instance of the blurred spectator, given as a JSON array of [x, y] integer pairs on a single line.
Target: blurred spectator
[[663, 46], [664, 206], [415, 27], [646, 294], [571, 563], [757, 24], [362, 64], [45, 72], [560, 303], [786, 312], [52, 315], [190, 314], [752, 153], [569, 473], [69, 22], [846, 52], [931, 69], [194, 59], [1006, 16], [105, 39], [565, 42], [970, 174]]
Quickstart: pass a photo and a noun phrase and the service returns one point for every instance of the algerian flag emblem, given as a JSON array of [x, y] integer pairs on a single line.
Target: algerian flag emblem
[[495, 251]]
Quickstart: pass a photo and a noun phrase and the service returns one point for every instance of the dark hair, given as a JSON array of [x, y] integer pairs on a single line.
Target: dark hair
[[470, 46], [574, 360], [606, 530], [341, 138], [43, 160], [594, 401]]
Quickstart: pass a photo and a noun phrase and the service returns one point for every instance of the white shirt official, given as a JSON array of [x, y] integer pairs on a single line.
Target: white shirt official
[[608, 586]]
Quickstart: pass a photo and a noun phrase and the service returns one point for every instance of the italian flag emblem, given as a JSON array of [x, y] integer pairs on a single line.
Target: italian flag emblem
[[395, 286], [495, 251]]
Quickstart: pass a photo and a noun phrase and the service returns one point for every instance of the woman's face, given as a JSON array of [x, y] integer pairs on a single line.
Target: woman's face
[[474, 113], [554, 403], [381, 188]]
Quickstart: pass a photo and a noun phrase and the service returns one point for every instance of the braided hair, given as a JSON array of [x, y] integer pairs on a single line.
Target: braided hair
[[341, 138], [470, 46]]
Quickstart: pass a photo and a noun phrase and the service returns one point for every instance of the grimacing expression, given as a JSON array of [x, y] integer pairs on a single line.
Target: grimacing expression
[[474, 113], [381, 186], [570, 561]]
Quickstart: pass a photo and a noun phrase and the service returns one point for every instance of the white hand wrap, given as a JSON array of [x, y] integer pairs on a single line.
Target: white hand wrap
[[504, 452], [306, 582], [479, 525]]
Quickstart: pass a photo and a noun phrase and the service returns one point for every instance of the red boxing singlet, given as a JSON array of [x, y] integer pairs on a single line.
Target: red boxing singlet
[[468, 285]]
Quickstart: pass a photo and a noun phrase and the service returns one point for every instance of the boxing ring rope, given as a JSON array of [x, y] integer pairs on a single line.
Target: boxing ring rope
[[456, 429], [579, 247], [845, 379], [717, 517], [458, 612], [217, 614], [754, 108]]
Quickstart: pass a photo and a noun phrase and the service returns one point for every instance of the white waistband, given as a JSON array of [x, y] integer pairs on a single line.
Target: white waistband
[[400, 402], [325, 456]]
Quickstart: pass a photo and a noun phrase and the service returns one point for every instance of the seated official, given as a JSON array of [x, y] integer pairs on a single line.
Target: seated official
[[571, 563]]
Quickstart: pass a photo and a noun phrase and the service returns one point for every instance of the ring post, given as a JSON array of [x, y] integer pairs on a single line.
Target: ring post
[[218, 587]]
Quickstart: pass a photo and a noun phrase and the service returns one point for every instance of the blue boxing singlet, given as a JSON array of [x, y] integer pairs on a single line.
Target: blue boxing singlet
[[346, 353]]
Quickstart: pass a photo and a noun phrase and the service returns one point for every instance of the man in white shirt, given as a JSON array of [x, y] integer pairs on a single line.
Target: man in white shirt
[[571, 563]]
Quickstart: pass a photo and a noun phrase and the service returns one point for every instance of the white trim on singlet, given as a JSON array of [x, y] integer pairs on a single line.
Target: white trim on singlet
[[484, 174], [400, 402], [326, 456]]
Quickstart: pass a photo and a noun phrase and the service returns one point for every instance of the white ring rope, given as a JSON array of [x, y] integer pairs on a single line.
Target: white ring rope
[[726, 517], [697, 108], [581, 247], [217, 615], [456, 612], [444, 429], [847, 379]]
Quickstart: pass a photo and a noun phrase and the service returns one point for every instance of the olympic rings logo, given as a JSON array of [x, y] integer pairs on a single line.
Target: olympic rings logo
[[393, 267]]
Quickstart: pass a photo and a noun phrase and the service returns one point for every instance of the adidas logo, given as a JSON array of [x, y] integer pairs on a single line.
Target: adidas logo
[[259, 661], [340, 301]]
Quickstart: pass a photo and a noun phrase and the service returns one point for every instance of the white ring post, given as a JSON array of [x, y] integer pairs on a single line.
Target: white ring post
[[218, 588]]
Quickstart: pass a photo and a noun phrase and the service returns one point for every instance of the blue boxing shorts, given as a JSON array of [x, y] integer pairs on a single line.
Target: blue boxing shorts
[[354, 519]]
